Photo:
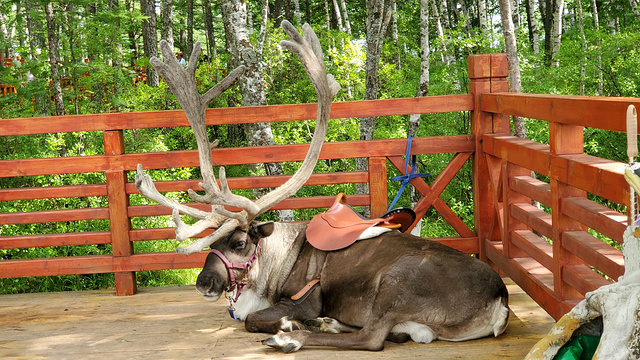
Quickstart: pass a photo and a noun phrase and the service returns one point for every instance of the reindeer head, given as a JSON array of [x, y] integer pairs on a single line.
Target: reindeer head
[[182, 84]]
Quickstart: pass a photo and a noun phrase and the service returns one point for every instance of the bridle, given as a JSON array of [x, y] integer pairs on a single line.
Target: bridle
[[233, 283]]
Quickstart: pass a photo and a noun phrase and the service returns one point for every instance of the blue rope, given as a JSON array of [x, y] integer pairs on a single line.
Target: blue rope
[[406, 179]]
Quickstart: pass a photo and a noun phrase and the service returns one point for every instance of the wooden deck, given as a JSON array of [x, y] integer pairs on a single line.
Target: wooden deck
[[175, 323]]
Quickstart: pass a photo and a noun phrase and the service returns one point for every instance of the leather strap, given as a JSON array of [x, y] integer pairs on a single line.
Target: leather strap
[[301, 295]]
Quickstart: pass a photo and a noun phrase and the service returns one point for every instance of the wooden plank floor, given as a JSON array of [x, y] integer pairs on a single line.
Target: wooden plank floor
[[175, 323]]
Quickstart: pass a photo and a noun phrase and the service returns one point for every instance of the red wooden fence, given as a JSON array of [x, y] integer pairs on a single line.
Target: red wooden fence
[[547, 252]]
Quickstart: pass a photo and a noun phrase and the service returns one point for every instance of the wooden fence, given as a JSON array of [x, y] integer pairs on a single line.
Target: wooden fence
[[547, 251]]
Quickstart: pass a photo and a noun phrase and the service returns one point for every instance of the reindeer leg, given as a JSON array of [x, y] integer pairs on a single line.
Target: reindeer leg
[[284, 316], [329, 325], [370, 337]]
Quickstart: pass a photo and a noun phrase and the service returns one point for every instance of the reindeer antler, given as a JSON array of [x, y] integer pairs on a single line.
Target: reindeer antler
[[181, 82]]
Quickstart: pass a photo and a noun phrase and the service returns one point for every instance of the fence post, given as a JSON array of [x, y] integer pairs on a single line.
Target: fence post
[[378, 186], [564, 140], [118, 218], [487, 73]]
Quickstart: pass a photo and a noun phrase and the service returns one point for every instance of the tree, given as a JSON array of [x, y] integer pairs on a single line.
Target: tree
[[378, 18], [189, 44], [482, 16], [208, 26], [512, 57], [234, 14], [345, 14], [150, 38], [596, 25], [423, 88], [532, 25], [167, 21], [583, 69], [54, 58], [551, 11]]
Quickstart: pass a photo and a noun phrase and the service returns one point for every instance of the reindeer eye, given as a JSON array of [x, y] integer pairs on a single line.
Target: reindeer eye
[[239, 245]]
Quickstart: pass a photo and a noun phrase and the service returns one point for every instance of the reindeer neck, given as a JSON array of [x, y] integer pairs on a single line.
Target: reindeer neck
[[277, 257]]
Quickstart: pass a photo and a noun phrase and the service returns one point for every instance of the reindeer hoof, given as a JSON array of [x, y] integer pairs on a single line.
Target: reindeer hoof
[[283, 341]]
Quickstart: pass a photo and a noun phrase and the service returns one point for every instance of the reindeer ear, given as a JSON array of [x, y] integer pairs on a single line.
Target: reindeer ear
[[264, 229]]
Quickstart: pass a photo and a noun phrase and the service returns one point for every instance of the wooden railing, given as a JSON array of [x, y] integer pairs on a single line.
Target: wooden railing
[[117, 161], [549, 251], [556, 251]]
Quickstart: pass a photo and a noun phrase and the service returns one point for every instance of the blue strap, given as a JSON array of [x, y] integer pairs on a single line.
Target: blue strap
[[406, 179]]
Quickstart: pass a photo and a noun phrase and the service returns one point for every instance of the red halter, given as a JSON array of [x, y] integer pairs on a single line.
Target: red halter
[[233, 284]]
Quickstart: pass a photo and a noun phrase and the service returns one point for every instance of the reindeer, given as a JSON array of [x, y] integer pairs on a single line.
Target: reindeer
[[391, 286]]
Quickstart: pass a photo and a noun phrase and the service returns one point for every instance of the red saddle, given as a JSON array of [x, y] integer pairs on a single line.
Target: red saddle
[[340, 226]]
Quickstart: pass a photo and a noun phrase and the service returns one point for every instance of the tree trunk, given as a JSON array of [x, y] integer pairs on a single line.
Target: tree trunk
[[189, 44], [297, 15], [208, 26], [378, 18], [7, 40], [131, 34], [327, 14], [394, 35], [423, 90], [336, 10], [167, 21], [251, 84], [347, 24], [552, 19], [441, 20], [482, 16], [534, 38], [596, 24], [150, 38], [70, 24], [54, 58], [515, 13], [583, 69], [512, 58], [556, 31]]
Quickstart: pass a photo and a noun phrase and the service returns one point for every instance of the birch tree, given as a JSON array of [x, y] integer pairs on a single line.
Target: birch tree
[[423, 89], [345, 15], [512, 57], [54, 57], [378, 18], [552, 18], [234, 13], [596, 25], [532, 25], [482, 16], [583, 69]]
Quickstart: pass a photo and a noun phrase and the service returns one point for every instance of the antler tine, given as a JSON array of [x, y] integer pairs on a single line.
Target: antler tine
[[202, 243], [145, 186], [308, 50]]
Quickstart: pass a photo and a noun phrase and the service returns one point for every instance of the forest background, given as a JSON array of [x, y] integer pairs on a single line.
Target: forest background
[[83, 56]]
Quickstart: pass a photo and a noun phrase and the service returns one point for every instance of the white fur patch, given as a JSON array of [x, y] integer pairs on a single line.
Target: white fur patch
[[249, 302], [373, 232], [419, 333]]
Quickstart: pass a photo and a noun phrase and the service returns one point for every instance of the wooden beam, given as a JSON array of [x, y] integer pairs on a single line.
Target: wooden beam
[[235, 115], [588, 111]]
